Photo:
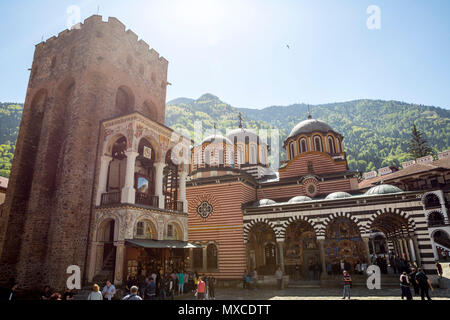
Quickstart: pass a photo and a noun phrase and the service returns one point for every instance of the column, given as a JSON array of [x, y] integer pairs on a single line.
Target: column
[[366, 245], [322, 257], [182, 189], [205, 258], [120, 253], [416, 247], [281, 254], [128, 191], [103, 177], [159, 172], [411, 246]]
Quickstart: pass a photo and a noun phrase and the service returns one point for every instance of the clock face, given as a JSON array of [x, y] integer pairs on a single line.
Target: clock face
[[204, 209]]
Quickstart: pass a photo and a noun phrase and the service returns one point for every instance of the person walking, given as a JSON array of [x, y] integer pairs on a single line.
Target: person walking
[[201, 288], [170, 287], [244, 280], [347, 285], [412, 277], [109, 291], [279, 277], [95, 294], [255, 278], [439, 269], [180, 283], [133, 295], [212, 288], [424, 284], [404, 285], [150, 289]]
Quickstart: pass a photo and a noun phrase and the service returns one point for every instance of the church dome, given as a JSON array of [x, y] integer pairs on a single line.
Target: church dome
[[299, 199], [242, 133], [383, 189], [217, 138], [337, 195], [309, 126], [265, 202]]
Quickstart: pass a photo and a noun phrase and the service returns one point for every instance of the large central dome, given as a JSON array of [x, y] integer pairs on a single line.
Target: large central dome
[[309, 126]]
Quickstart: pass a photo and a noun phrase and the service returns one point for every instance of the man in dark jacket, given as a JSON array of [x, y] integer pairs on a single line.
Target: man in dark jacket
[[150, 290], [412, 275], [424, 284]]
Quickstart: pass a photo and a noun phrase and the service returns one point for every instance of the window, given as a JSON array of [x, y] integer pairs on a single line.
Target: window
[[252, 154], [211, 256], [331, 145], [338, 145], [241, 154], [292, 150], [170, 231], [262, 155], [303, 147], [198, 258], [318, 143], [140, 229]]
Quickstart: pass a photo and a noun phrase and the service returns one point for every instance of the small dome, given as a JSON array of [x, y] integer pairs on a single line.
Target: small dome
[[242, 133], [337, 195], [216, 139], [265, 202], [309, 126], [299, 199], [383, 189]]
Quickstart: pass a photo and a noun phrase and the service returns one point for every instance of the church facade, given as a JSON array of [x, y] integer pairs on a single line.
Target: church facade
[[313, 211]]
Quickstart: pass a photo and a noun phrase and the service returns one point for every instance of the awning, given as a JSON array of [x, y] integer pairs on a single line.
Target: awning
[[149, 243]]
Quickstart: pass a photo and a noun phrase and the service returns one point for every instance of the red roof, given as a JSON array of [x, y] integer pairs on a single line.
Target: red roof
[[442, 164]]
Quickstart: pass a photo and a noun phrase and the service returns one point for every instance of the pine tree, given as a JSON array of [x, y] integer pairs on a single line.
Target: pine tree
[[418, 145]]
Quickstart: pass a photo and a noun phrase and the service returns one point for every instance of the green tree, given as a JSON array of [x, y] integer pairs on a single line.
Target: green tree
[[418, 145]]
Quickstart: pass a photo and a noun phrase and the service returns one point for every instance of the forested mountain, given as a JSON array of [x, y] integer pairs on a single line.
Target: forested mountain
[[376, 133]]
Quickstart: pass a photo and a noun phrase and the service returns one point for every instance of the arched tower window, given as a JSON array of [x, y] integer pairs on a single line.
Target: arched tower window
[[303, 146], [318, 143], [253, 158], [292, 150], [331, 145], [338, 145]]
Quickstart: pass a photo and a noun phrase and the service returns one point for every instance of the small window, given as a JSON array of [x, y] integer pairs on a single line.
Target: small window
[[303, 147], [331, 145], [140, 229], [170, 231], [292, 150], [252, 154], [318, 143]]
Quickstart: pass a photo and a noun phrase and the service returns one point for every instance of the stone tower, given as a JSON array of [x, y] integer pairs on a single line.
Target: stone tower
[[78, 79]]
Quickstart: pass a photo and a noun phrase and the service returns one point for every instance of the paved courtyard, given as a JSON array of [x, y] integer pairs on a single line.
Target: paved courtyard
[[315, 294]]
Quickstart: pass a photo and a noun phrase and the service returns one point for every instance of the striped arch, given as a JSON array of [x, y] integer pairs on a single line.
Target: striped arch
[[316, 226], [411, 223], [333, 216], [249, 225]]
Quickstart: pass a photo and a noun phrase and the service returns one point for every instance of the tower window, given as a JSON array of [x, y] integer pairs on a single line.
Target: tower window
[[318, 143], [303, 147], [331, 145]]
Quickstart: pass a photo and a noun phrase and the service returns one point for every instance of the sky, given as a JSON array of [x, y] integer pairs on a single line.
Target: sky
[[258, 53]]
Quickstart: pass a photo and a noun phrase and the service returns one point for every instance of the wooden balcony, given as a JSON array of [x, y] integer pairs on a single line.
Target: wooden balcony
[[147, 200], [110, 198]]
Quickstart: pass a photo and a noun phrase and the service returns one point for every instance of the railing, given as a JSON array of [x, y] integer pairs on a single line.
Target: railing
[[147, 200], [111, 198], [174, 205]]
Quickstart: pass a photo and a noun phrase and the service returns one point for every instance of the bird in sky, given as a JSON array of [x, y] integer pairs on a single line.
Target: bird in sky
[[288, 46]]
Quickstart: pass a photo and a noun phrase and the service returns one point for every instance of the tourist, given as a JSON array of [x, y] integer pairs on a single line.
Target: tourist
[[195, 281], [347, 285], [46, 294], [212, 288], [412, 276], [424, 284], [329, 269], [279, 277], [11, 293], [68, 294], [444, 255], [186, 282], [404, 285], [363, 267], [201, 288], [95, 294], [342, 265], [255, 278], [244, 280], [297, 272], [180, 283], [170, 287], [133, 295], [109, 291], [55, 296], [439, 269], [162, 291], [150, 289]]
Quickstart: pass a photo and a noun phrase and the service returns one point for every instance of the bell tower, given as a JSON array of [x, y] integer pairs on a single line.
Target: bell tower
[[78, 79]]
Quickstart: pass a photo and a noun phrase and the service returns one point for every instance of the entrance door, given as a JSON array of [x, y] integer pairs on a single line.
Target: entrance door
[[270, 256], [310, 257]]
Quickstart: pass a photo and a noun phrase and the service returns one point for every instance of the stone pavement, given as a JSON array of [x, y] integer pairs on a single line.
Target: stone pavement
[[315, 294]]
